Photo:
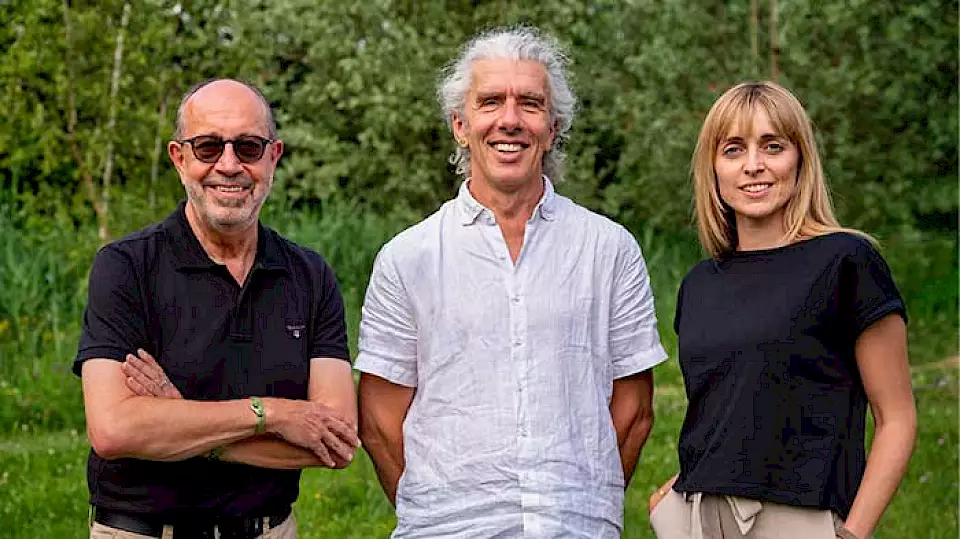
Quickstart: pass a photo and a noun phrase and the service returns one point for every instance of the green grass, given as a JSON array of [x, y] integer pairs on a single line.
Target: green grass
[[43, 449], [43, 487]]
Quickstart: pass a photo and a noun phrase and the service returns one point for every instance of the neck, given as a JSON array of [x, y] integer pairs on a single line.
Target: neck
[[754, 236], [508, 204], [221, 246]]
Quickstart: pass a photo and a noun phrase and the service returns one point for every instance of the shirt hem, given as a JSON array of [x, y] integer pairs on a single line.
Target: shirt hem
[[385, 369], [640, 361]]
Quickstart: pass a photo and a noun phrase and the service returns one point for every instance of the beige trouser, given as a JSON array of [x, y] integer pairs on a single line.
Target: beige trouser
[[706, 516], [286, 530]]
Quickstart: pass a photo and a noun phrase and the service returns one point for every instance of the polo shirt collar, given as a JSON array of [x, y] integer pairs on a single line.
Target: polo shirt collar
[[189, 254], [469, 209]]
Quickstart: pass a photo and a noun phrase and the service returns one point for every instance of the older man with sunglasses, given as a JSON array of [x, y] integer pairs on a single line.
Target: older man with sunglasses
[[213, 356]]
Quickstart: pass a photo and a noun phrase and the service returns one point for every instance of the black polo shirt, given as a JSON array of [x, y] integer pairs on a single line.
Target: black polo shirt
[[158, 290]]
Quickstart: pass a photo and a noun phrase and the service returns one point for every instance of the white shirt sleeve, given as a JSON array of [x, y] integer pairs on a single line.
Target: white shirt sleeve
[[388, 329], [634, 339]]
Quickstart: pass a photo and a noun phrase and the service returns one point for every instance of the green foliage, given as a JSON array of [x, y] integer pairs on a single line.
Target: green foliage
[[353, 87], [880, 81]]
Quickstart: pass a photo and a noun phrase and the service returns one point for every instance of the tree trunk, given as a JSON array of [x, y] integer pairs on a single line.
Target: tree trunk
[[754, 35], [774, 40], [158, 142], [724, 45], [112, 118], [84, 172]]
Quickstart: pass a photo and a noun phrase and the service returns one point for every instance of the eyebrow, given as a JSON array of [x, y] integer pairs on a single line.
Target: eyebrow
[[485, 94], [537, 96], [219, 135], [763, 138]]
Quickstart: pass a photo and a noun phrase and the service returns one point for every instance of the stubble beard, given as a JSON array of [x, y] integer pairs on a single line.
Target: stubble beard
[[226, 216]]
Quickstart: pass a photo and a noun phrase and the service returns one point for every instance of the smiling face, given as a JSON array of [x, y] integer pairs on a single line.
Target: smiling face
[[756, 169], [225, 195], [506, 123]]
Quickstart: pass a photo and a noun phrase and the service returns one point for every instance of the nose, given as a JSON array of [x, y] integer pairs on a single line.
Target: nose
[[755, 163], [228, 164], [510, 119]]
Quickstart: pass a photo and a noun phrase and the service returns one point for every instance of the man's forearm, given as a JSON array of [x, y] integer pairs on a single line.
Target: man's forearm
[[631, 409], [387, 462], [122, 423], [152, 428], [272, 452], [383, 409], [632, 444]]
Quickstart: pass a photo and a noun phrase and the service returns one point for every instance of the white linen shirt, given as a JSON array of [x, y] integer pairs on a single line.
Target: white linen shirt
[[509, 433]]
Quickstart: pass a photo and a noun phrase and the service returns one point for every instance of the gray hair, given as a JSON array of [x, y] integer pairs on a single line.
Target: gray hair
[[512, 43], [180, 128]]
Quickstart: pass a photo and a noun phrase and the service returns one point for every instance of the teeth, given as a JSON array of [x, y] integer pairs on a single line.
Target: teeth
[[756, 188], [229, 188], [507, 147]]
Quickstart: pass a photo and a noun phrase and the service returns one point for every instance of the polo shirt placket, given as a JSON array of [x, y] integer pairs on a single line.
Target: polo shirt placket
[[244, 311]]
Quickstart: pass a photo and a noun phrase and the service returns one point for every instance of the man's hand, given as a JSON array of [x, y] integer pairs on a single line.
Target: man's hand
[[314, 426], [145, 377]]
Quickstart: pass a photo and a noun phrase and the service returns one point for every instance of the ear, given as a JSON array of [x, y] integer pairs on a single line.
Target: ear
[[276, 152], [175, 151], [459, 127]]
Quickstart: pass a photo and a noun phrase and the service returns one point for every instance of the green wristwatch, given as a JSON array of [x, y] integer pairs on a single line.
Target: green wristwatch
[[215, 453], [257, 406]]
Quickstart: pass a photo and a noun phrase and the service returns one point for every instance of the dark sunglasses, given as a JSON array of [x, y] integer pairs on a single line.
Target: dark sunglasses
[[208, 149]]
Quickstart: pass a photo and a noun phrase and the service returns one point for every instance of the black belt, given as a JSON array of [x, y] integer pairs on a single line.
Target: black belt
[[226, 528]]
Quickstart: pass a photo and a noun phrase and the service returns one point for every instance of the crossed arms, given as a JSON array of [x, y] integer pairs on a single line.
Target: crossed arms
[[134, 411]]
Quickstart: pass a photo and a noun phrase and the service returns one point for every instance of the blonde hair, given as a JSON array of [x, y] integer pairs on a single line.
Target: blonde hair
[[808, 213]]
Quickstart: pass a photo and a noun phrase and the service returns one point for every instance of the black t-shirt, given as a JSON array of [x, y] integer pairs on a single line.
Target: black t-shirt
[[777, 408], [158, 290]]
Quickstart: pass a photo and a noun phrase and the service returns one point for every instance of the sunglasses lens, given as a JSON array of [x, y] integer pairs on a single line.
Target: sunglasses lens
[[249, 149], [207, 149]]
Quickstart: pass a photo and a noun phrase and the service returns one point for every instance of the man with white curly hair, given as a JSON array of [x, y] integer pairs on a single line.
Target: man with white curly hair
[[507, 341]]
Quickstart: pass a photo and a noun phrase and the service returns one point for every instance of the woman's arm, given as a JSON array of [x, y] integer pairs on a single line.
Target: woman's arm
[[881, 352]]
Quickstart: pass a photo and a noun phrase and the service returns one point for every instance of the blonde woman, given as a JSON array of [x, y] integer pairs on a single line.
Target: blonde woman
[[788, 332]]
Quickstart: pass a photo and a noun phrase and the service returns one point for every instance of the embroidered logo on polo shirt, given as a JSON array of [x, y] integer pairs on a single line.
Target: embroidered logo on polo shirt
[[295, 330]]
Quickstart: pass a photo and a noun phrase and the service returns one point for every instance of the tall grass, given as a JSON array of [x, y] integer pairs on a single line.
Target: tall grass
[[42, 289]]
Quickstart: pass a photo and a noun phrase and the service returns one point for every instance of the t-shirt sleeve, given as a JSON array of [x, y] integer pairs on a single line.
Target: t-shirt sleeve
[[678, 311], [869, 290], [634, 338], [388, 330], [329, 324], [114, 321]]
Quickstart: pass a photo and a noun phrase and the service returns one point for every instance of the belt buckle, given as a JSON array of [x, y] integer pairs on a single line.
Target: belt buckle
[[189, 531]]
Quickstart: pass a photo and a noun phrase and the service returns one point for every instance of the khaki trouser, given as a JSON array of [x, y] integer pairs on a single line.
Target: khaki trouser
[[706, 516], [286, 530]]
